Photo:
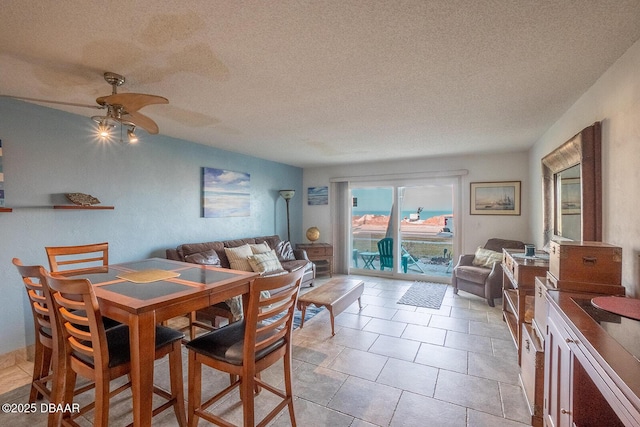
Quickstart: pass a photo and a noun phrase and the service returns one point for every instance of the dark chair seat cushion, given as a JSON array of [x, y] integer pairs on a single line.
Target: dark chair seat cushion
[[225, 344], [118, 343]]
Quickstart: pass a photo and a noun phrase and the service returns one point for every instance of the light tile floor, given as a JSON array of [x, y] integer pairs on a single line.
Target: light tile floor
[[387, 365]]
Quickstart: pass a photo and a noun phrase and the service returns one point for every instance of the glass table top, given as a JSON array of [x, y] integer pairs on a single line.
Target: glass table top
[[203, 276], [146, 291]]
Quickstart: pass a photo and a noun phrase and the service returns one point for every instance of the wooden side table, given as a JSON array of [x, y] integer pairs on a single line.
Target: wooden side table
[[321, 254]]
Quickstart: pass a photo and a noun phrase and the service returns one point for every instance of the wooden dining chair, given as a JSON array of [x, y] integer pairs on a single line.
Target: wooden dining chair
[[247, 347], [103, 355], [75, 259], [45, 331], [48, 366]]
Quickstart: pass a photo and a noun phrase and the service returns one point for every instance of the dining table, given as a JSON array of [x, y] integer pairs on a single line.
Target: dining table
[[125, 295]]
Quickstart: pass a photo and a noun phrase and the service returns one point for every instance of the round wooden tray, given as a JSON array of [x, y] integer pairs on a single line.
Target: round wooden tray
[[627, 307]]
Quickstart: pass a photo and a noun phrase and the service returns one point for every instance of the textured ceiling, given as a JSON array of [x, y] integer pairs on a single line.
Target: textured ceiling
[[313, 83]]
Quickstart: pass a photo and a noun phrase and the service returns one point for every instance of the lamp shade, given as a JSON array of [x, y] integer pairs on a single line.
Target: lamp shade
[[287, 194]]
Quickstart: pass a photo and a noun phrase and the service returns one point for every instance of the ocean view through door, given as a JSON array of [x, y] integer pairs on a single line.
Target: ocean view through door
[[403, 230]]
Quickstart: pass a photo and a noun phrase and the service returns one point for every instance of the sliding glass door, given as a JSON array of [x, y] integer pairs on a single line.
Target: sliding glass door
[[371, 209], [426, 229], [403, 228]]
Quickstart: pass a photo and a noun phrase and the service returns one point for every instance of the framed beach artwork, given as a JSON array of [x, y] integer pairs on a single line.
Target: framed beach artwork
[[225, 193], [495, 198], [318, 196]]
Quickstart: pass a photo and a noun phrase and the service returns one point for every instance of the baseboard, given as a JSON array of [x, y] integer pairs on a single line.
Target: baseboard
[[17, 356]]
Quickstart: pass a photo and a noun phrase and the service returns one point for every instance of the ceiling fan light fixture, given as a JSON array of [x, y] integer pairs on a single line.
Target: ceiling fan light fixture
[[133, 138], [104, 126]]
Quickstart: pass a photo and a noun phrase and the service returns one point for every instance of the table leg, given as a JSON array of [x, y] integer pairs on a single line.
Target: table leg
[[333, 331], [142, 336], [303, 312]]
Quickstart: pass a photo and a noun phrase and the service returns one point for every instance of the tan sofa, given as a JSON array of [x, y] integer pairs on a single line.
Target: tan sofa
[[212, 253]]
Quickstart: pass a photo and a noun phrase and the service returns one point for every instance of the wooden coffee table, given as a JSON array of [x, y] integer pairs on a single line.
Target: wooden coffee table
[[337, 294]]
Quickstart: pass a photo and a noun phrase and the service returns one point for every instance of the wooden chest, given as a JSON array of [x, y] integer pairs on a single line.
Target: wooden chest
[[587, 262], [532, 373]]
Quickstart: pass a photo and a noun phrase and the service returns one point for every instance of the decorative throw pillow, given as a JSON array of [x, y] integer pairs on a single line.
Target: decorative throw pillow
[[265, 262], [259, 248], [238, 257], [209, 257], [486, 258], [285, 252]]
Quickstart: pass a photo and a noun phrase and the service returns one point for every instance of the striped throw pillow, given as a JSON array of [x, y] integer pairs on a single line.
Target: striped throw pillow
[[238, 257], [265, 262]]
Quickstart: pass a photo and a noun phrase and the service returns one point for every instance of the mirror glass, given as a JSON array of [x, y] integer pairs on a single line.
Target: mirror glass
[[568, 202], [572, 184]]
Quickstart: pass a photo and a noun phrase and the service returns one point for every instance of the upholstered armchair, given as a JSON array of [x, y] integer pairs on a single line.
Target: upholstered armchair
[[481, 273]]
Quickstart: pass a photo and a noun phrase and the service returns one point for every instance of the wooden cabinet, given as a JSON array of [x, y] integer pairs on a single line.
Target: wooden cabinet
[[519, 273], [532, 372], [557, 368], [321, 254], [590, 379]]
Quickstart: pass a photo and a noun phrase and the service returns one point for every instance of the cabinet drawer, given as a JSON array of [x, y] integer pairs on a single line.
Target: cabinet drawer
[[574, 286], [590, 262], [507, 263], [317, 249], [541, 306], [532, 370], [312, 252]]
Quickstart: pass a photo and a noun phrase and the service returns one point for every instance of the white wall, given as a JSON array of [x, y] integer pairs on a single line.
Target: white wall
[[155, 187], [476, 229], [615, 100]]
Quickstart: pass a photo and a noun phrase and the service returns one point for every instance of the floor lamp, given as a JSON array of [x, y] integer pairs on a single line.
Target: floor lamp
[[288, 195]]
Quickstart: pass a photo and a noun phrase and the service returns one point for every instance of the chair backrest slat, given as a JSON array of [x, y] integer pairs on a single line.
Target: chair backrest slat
[[80, 314], [81, 257], [39, 298], [269, 320], [385, 248]]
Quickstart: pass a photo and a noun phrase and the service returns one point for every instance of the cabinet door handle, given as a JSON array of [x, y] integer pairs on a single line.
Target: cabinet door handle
[[526, 345], [570, 341], [564, 411], [540, 292]]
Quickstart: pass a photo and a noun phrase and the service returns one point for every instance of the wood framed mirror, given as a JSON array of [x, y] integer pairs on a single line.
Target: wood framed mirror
[[572, 185]]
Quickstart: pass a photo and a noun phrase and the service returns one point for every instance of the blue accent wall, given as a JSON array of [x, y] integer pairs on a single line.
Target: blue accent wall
[[155, 187]]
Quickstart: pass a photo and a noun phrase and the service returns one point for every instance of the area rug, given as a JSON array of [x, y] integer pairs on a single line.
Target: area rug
[[424, 294], [312, 310]]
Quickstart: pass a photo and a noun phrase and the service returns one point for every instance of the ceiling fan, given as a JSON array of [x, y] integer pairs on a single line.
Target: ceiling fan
[[122, 108]]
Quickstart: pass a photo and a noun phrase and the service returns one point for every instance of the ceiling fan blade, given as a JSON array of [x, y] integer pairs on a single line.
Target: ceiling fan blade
[[132, 101], [142, 121], [48, 101]]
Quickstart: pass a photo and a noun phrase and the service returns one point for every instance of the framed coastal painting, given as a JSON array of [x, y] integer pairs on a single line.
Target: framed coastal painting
[[318, 196], [495, 198], [225, 193]]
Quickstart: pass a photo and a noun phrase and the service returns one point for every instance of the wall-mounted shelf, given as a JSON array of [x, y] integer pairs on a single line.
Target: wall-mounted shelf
[[6, 210], [78, 207]]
